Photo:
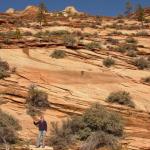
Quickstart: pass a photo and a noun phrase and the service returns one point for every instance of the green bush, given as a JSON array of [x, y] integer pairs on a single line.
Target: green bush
[[27, 33], [141, 63], [132, 53], [58, 54], [98, 127], [8, 128], [108, 62], [121, 97], [142, 33], [98, 118], [93, 46], [127, 47], [33, 111], [112, 41], [7, 41], [61, 137], [101, 139], [131, 40], [115, 33], [37, 98], [4, 69], [70, 41]]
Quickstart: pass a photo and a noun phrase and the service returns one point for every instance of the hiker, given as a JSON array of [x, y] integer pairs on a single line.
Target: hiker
[[42, 125]]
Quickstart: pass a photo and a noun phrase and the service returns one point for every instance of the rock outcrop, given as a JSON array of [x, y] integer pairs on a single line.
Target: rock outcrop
[[10, 11]]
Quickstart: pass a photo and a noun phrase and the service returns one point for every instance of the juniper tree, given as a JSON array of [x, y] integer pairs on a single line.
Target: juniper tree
[[128, 7], [140, 14], [41, 13]]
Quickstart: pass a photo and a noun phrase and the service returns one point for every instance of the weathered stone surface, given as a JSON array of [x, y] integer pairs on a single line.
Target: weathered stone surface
[[77, 81]]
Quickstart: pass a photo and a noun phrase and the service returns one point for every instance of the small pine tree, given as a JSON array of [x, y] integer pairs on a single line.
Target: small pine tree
[[128, 7], [41, 13], [140, 14]]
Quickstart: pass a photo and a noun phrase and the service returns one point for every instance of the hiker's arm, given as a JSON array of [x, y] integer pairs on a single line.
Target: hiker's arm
[[36, 123]]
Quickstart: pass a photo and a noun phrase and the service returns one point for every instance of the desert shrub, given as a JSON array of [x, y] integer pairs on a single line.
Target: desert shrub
[[60, 32], [4, 69], [37, 98], [132, 27], [147, 20], [132, 53], [32, 110], [93, 45], [146, 80], [127, 47], [120, 21], [7, 41], [58, 54], [115, 26], [98, 118], [100, 139], [142, 33], [70, 41], [115, 33], [121, 97], [39, 34], [131, 40], [108, 62], [96, 123], [4, 64], [141, 63], [112, 41], [61, 136], [8, 128], [27, 33], [13, 34]]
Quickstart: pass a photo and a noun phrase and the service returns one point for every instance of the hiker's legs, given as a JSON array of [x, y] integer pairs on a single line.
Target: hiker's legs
[[43, 138], [38, 143]]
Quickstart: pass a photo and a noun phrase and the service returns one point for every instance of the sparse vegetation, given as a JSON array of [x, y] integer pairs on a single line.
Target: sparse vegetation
[[132, 53], [97, 127], [127, 47], [37, 98], [142, 33], [108, 62], [8, 129], [141, 63], [115, 33], [93, 46], [113, 41], [121, 97], [58, 54], [131, 40], [70, 41], [4, 69], [27, 33]]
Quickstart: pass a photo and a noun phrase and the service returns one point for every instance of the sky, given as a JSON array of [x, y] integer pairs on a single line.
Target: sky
[[93, 7]]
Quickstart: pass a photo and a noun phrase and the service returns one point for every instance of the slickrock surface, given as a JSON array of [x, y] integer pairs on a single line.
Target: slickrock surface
[[77, 81]]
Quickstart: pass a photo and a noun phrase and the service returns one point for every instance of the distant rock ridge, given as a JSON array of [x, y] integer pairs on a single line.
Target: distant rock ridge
[[10, 11], [31, 9]]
